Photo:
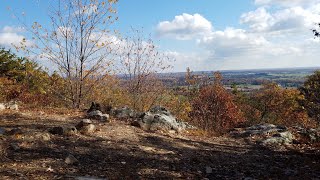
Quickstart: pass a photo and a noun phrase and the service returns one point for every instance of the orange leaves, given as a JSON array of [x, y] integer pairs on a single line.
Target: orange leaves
[[214, 109], [274, 104]]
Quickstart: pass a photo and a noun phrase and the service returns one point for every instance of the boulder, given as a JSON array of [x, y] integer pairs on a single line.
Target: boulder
[[98, 115], [66, 131], [265, 134], [279, 139], [159, 118], [86, 126]]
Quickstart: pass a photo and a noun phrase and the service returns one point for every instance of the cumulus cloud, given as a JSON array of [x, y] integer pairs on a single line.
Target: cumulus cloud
[[10, 36], [273, 38], [287, 19], [185, 27], [234, 44]]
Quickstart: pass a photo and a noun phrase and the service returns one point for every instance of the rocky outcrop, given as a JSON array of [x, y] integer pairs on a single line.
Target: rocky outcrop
[[272, 135], [312, 135], [159, 118], [266, 134]]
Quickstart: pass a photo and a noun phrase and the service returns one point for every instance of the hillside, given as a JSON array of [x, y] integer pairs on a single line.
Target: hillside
[[120, 151]]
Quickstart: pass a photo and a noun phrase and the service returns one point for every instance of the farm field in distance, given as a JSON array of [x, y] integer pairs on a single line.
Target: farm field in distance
[[245, 80]]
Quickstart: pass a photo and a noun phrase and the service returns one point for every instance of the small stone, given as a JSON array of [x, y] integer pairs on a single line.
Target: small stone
[[14, 146], [49, 169], [70, 131], [71, 160], [44, 136], [2, 106], [12, 105], [2, 131], [208, 170]]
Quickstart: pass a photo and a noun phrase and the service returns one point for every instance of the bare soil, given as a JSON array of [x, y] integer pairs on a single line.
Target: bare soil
[[121, 151]]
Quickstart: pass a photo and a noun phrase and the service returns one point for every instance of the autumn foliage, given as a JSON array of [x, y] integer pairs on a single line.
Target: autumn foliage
[[214, 110], [311, 92], [274, 104]]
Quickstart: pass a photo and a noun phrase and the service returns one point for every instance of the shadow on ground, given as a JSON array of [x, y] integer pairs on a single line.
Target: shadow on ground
[[151, 156]]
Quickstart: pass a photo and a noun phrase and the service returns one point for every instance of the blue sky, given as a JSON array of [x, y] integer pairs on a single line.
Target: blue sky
[[206, 34]]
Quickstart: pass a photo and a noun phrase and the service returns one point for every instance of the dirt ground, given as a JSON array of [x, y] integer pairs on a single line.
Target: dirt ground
[[121, 151]]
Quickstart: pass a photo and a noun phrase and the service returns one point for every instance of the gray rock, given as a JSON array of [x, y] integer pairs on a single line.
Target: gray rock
[[12, 105], [71, 160], [312, 134], [279, 139], [159, 118], [98, 115], [124, 112], [2, 131], [70, 131], [208, 170], [86, 127], [258, 130]]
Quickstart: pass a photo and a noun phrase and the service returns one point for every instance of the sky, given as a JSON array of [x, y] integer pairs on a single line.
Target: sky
[[204, 34]]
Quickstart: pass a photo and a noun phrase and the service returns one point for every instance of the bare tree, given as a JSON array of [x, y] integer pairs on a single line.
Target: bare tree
[[78, 41], [141, 62]]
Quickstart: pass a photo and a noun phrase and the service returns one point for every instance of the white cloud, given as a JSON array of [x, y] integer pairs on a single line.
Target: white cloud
[[287, 19], [232, 42], [10, 35], [275, 38], [185, 27], [258, 20]]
